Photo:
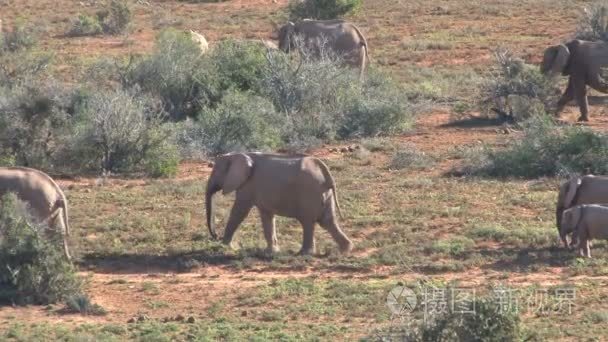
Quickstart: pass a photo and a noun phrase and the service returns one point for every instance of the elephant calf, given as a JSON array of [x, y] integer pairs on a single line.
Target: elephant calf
[[587, 189], [44, 197], [587, 221], [297, 187]]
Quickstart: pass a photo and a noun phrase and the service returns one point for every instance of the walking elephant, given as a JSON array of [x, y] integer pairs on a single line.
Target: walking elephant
[[342, 37], [44, 197], [296, 187], [586, 222], [582, 61], [587, 189]]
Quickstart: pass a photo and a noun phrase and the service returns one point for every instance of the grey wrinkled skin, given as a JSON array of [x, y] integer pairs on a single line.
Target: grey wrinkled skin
[[296, 187], [342, 37], [582, 62], [45, 199], [587, 189], [586, 222]]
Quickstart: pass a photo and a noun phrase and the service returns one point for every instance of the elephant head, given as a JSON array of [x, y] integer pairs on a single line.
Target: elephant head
[[286, 32], [567, 194], [570, 220], [555, 60], [230, 172]]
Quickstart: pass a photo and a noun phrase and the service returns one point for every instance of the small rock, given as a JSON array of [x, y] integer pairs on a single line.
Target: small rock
[[142, 318], [343, 150], [180, 318], [357, 147], [244, 313], [131, 320], [210, 164], [351, 149], [190, 320]]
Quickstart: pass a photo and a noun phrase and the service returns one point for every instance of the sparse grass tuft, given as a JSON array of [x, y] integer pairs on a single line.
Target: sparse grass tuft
[[82, 304], [408, 157]]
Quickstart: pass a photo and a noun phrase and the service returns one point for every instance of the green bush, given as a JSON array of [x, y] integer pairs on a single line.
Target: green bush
[[34, 269], [113, 19], [593, 24], [487, 323], [379, 109], [238, 65], [172, 73], [116, 17], [547, 150], [162, 161], [322, 100], [517, 91], [321, 9], [116, 131], [34, 119], [313, 95], [187, 81], [240, 122], [85, 25]]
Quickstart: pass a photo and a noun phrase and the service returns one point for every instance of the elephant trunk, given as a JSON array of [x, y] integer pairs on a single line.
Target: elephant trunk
[[211, 189], [558, 219]]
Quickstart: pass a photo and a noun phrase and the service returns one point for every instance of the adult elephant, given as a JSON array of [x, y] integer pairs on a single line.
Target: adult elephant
[[582, 61], [44, 197], [297, 187], [587, 189], [342, 37]]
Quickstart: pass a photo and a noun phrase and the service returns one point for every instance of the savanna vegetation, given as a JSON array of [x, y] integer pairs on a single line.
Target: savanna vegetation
[[446, 158]]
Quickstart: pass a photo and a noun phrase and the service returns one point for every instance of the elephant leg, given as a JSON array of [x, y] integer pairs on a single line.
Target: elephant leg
[[566, 97], [270, 233], [587, 249], [239, 211], [308, 244], [580, 93], [329, 221]]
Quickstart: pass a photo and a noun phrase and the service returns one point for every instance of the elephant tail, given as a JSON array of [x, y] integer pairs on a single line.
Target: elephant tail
[[62, 204], [331, 183], [365, 58]]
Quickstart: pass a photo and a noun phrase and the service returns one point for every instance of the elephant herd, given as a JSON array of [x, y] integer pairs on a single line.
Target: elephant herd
[[303, 188]]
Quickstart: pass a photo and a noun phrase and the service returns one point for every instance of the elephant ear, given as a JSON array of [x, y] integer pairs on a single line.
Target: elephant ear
[[555, 59], [238, 172], [571, 192]]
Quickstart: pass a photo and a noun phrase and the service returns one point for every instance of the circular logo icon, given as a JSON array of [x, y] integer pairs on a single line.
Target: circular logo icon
[[401, 300]]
